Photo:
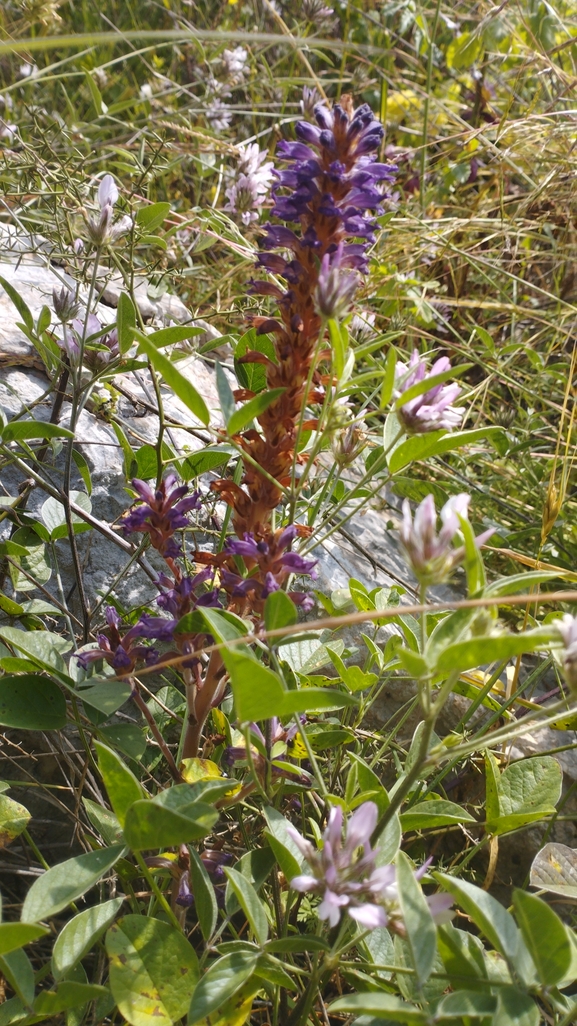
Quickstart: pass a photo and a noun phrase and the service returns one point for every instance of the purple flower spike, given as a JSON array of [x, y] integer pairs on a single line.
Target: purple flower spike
[[432, 409], [346, 877], [430, 554]]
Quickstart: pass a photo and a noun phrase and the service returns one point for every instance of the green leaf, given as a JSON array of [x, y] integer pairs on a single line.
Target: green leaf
[[94, 92], [226, 398], [19, 303], [258, 692], [179, 384], [297, 944], [121, 785], [16, 967], [527, 791], [31, 702], [14, 818], [555, 869], [176, 333], [419, 925], [105, 695], [125, 322], [204, 896], [150, 218], [130, 738], [488, 914], [389, 378], [339, 337], [463, 51], [223, 979], [434, 813], [153, 970], [17, 935], [204, 460], [66, 882], [251, 409], [22, 430], [545, 937], [43, 647], [148, 825], [250, 903], [385, 1006], [252, 375], [83, 469], [54, 516], [516, 1008], [68, 994], [463, 957], [466, 655], [435, 443], [279, 611], [286, 852], [466, 1004], [524, 582], [80, 934], [413, 663], [104, 821]]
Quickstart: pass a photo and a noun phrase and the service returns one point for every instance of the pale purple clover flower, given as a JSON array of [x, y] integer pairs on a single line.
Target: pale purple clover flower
[[336, 286], [432, 409], [252, 184], [218, 114], [349, 879], [430, 554], [235, 62], [567, 627]]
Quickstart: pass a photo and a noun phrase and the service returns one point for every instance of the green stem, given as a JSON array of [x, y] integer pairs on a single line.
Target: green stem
[[156, 890]]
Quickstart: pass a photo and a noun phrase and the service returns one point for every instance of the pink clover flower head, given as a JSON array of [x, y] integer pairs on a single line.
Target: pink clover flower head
[[432, 409], [345, 874], [567, 627], [431, 554], [163, 511]]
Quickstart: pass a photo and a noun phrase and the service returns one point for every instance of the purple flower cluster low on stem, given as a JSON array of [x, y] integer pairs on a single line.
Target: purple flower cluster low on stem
[[350, 881], [273, 561]]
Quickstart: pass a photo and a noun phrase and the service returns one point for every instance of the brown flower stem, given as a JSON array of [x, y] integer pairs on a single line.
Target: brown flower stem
[[139, 701], [200, 702]]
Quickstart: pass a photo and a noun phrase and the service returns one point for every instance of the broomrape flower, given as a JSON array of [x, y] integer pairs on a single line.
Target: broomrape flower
[[122, 654], [352, 881], [430, 555], [273, 561], [162, 512], [431, 410], [336, 287]]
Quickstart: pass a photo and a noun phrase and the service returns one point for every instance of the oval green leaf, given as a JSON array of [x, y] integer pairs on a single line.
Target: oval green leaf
[[61, 884], [31, 702], [153, 971], [80, 934]]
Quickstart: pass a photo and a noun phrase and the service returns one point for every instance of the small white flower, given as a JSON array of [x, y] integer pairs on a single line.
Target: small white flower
[[146, 91]]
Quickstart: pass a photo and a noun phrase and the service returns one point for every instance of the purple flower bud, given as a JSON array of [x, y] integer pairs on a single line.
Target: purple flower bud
[[107, 192], [336, 287], [64, 303]]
